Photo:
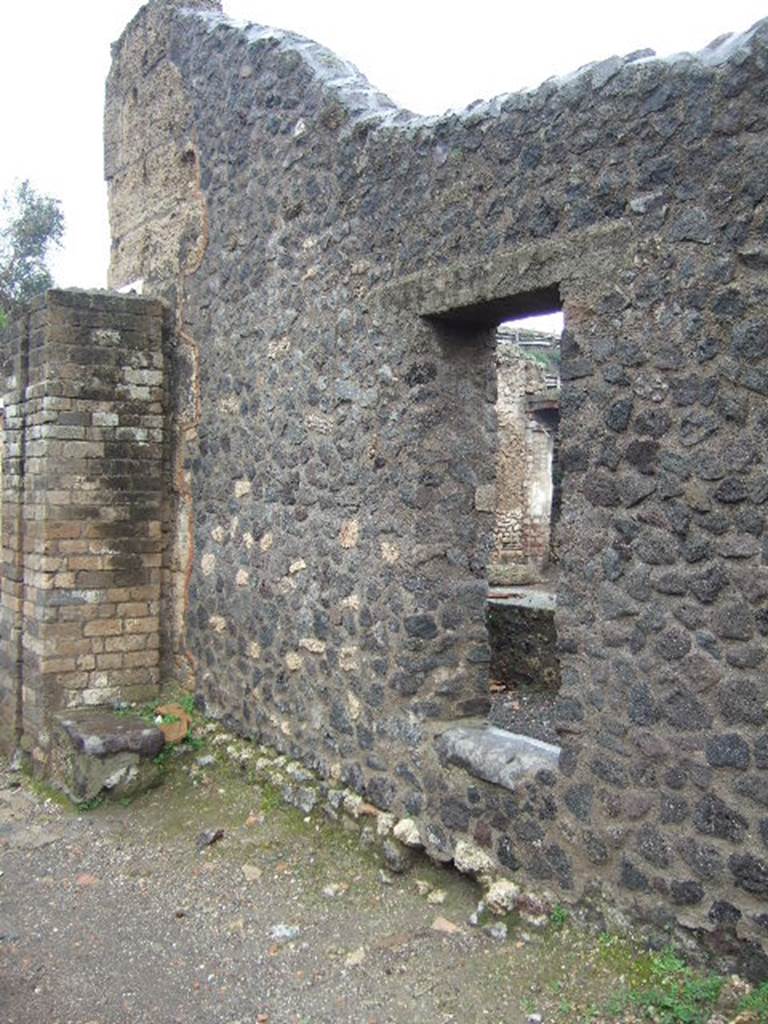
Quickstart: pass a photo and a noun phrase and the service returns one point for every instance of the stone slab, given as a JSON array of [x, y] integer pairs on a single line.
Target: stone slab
[[102, 733], [497, 756], [542, 598]]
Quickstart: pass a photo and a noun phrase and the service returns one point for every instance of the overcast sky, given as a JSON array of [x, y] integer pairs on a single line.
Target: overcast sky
[[428, 56]]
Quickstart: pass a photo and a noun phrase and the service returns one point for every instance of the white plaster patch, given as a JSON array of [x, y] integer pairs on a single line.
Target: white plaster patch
[[350, 532], [319, 422], [254, 650], [266, 542], [298, 566], [242, 578], [218, 534], [278, 347], [348, 659], [293, 661], [312, 644], [229, 404], [248, 541], [354, 707], [351, 601], [217, 623], [242, 487], [390, 552], [207, 563]]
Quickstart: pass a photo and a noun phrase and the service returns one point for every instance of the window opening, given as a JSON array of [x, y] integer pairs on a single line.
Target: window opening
[[522, 572]]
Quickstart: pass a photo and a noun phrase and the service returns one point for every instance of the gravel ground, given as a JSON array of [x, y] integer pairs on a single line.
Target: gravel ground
[[116, 917]]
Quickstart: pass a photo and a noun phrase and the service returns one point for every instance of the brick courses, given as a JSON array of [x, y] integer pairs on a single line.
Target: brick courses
[[84, 400]]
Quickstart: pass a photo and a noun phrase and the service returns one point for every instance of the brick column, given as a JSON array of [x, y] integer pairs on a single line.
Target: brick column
[[85, 455], [14, 349]]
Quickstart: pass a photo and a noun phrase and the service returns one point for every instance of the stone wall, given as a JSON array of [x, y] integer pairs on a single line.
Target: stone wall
[[523, 647], [83, 457], [350, 264], [524, 465]]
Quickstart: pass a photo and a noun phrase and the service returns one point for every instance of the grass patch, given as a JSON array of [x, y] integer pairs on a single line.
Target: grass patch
[[45, 791], [661, 986], [270, 798], [757, 1003]]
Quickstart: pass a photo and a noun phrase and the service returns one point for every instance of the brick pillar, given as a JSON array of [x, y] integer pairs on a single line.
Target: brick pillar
[[14, 348], [84, 442]]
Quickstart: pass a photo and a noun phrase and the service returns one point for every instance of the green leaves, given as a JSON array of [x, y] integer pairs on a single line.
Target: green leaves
[[30, 224]]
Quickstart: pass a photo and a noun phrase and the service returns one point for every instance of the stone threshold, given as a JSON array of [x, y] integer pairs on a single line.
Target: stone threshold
[[495, 755], [537, 597]]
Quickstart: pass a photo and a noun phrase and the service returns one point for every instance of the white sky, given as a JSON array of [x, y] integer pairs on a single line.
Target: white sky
[[427, 56]]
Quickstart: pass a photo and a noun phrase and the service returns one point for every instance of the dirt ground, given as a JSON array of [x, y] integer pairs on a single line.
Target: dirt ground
[[115, 916]]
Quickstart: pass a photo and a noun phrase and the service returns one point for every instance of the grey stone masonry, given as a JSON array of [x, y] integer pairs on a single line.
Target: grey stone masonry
[[338, 268], [82, 526]]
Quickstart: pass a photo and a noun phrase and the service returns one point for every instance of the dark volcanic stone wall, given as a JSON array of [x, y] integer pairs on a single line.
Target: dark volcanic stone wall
[[348, 263]]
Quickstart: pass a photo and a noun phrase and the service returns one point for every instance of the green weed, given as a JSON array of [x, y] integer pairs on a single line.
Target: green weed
[[661, 986], [92, 804], [188, 703], [757, 1002], [165, 755], [559, 916]]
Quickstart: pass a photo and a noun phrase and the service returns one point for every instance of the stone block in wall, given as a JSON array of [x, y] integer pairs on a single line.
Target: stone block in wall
[[99, 752]]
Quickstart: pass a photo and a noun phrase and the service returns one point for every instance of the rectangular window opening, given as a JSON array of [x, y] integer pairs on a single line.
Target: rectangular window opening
[[524, 673]]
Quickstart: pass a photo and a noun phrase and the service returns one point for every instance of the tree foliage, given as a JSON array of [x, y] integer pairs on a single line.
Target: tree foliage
[[30, 224]]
